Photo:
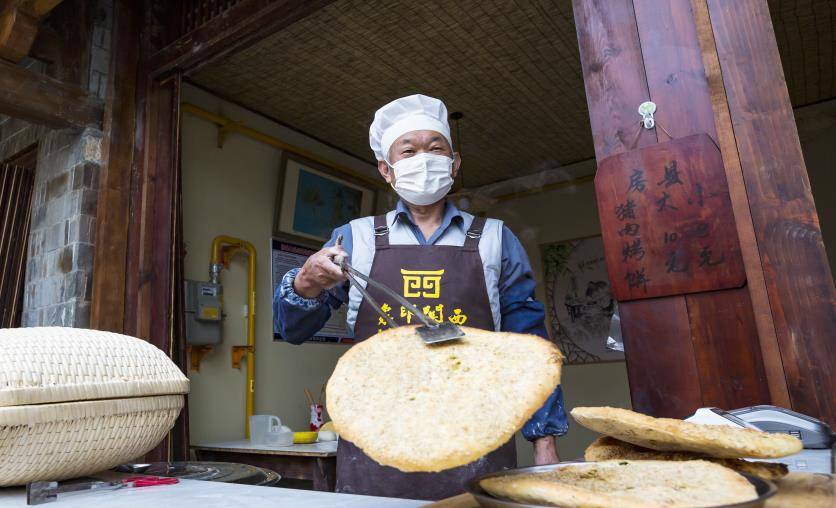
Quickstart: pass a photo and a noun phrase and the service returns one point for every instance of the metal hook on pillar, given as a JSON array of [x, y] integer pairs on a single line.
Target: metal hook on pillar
[[646, 110]]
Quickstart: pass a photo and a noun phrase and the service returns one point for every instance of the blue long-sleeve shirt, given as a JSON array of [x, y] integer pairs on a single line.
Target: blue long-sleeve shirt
[[296, 319]]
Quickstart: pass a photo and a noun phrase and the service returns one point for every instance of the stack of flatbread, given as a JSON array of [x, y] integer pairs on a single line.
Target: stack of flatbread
[[429, 408], [646, 461], [631, 435]]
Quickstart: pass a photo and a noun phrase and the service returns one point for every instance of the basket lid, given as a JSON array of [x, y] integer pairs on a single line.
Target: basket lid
[[45, 365]]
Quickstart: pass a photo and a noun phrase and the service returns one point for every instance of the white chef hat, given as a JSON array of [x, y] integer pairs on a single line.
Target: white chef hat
[[413, 113]]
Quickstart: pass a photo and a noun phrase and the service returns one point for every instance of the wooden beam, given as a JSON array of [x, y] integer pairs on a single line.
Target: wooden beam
[[48, 46], [705, 350], [721, 322], [40, 99], [240, 26], [19, 25], [17, 33], [767, 339], [37, 8], [108, 295], [616, 83], [75, 20], [151, 287], [612, 73], [799, 283]]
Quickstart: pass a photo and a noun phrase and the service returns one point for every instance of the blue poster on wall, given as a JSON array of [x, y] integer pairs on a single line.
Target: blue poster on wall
[[323, 204], [312, 200]]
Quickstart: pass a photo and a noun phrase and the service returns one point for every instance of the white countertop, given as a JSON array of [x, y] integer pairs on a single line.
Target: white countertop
[[325, 447], [199, 494]]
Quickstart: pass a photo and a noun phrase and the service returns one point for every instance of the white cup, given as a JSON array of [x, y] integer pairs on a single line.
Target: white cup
[[260, 427]]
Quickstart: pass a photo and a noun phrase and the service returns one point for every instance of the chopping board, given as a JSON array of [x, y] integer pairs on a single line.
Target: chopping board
[[796, 490]]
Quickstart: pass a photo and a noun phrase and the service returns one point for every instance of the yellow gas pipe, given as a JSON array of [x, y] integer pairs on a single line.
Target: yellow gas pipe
[[220, 258]]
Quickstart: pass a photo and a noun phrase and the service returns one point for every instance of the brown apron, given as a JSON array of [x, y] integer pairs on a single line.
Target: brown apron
[[447, 282]]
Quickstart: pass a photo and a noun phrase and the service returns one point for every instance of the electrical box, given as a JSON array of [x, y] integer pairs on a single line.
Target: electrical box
[[204, 313]]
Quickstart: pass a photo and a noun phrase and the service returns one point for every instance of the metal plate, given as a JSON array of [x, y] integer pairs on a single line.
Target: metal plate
[[226, 472], [764, 489]]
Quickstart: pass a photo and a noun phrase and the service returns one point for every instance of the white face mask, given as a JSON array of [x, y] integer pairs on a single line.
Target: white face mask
[[423, 179]]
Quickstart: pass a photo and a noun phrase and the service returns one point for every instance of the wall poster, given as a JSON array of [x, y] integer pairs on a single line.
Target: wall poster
[[313, 199], [286, 256], [579, 302]]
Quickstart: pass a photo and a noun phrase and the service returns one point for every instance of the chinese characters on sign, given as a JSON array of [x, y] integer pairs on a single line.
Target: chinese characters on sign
[[666, 220]]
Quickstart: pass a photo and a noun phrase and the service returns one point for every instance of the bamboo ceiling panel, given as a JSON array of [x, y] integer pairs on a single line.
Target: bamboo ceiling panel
[[512, 68], [806, 34]]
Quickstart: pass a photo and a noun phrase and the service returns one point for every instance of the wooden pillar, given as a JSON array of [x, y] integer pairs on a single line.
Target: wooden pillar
[[113, 209], [712, 67], [150, 249], [797, 276]]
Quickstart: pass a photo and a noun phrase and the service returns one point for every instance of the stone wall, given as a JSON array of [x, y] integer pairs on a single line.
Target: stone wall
[[60, 259], [100, 49], [59, 265]]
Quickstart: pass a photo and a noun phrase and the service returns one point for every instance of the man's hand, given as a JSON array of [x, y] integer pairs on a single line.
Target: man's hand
[[319, 273], [545, 451]]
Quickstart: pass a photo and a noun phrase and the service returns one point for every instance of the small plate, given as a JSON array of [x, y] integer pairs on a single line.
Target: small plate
[[764, 488]]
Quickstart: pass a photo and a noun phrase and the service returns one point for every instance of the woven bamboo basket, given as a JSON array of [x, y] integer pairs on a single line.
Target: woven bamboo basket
[[74, 402]]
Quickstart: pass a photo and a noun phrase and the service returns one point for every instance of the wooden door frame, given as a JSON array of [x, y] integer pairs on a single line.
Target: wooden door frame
[[27, 160], [141, 151], [136, 255]]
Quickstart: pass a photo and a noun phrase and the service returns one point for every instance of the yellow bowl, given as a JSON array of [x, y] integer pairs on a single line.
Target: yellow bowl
[[304, 437]]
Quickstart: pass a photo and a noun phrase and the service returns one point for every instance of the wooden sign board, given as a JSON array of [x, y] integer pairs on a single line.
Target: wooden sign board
[[666, 220]]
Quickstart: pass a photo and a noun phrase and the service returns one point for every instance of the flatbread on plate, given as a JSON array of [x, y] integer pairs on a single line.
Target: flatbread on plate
[[429, 408], [610, 448], [667, 434], [626, 484]]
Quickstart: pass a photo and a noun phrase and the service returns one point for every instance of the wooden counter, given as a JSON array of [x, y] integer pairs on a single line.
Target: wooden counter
[[316, 461]]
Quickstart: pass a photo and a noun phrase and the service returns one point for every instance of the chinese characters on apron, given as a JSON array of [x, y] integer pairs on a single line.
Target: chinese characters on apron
[[447, 282]]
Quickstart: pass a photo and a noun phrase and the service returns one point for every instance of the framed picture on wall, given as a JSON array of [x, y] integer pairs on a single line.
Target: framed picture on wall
[[312, 199], [579, 303]]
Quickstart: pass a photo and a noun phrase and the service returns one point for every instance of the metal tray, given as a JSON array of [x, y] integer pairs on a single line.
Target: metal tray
[[225, 472], [764, 488]]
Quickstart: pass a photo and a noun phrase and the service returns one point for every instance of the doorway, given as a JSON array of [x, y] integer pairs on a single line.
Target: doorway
[[509, 74], [17, 181], [269, 84]]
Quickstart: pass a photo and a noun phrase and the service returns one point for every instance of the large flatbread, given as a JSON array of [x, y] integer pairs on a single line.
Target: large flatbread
[[610, 448], [626, 484], [666, 434], [429, 408]]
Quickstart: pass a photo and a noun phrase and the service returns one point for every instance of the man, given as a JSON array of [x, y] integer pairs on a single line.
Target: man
[[454, 266]]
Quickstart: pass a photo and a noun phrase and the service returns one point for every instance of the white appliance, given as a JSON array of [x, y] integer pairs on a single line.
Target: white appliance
[[819, 440]]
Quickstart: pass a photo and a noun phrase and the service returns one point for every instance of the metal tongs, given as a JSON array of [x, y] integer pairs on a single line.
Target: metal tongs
[[47, 492], [432, 332]]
